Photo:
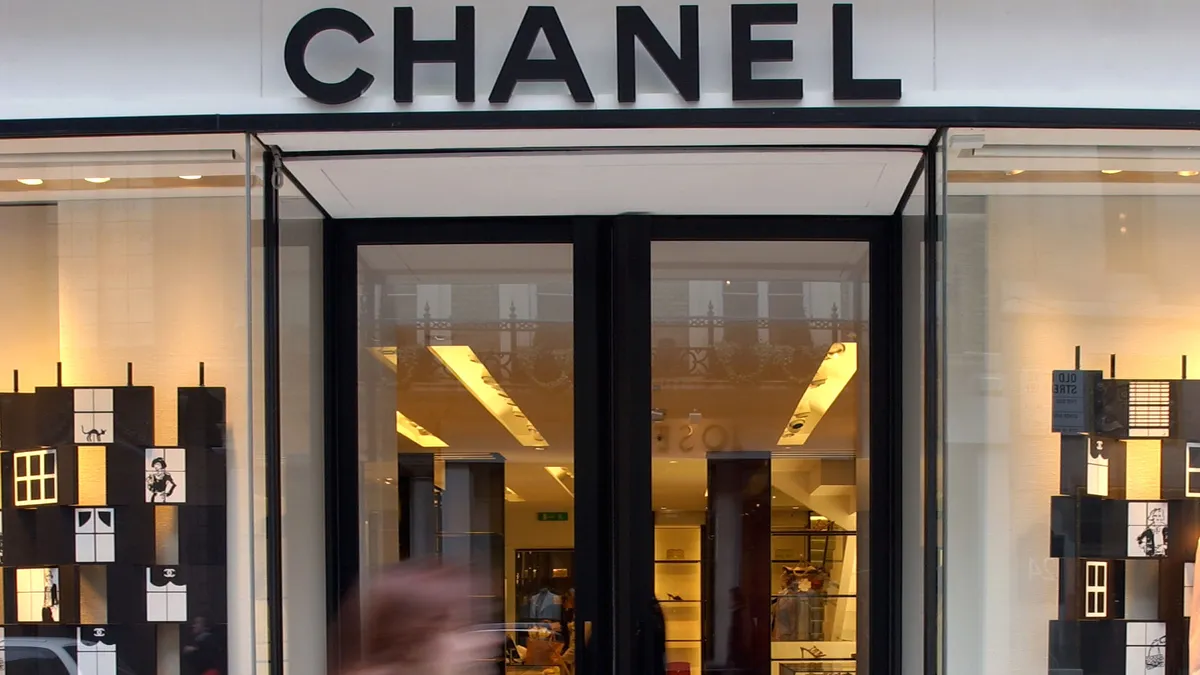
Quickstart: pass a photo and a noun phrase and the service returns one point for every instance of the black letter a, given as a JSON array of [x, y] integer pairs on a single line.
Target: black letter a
[[518, 66]]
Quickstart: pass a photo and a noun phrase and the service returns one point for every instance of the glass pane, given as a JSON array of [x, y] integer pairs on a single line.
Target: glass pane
[[466, 430], [760, 419], [302, 440], [119, 251], [1073, 299]]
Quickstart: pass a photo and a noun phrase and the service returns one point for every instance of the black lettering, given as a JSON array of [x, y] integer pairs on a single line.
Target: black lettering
[[683, 444], [845, 87], [746, 51], [409, 51], [722, 437], [519, 67], [682, 69], [307, 28]]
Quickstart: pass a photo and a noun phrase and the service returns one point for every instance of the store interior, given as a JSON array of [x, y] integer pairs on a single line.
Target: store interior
[[758, 380]]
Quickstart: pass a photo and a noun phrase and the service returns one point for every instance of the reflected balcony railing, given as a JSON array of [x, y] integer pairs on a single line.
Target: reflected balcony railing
[[706, 349]]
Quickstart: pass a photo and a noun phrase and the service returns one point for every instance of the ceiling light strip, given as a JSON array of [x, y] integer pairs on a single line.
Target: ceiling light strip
[[464, 364], [838, 367], [563, 476], [417, 433]]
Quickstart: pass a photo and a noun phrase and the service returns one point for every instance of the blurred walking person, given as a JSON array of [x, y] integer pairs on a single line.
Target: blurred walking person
[[416, 620]]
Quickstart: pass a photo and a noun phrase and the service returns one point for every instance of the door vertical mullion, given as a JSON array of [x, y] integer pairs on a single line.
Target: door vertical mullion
[[633, 521], [593, 449]]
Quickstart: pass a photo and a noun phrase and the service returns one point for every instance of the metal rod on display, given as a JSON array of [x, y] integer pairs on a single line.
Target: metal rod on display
[[1183, 367], [1112, 366], [1078, 356], [129, 374], [59, 367], [201, 373], [16, 381]]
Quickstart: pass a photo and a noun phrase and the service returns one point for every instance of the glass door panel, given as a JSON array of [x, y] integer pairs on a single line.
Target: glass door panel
[[759, 445], [466, 428]]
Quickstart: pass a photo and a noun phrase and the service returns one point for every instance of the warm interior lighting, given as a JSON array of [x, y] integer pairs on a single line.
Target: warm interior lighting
[[510, 495], [417, 433], [564, 477], [192, 177], [1110, 172], [817, 517], [462, 362], [97, 180], [30, 181], [834, 373], [1014, 172], [1188, 174]]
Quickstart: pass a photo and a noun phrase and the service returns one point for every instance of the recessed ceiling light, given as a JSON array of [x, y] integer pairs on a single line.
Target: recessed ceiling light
[[1188, 174], [30, 181], [97, 180], [1014, 172], [1110, 172], [191, 177]]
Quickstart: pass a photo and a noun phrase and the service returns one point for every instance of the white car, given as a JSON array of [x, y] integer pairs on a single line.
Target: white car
[[44, 656]]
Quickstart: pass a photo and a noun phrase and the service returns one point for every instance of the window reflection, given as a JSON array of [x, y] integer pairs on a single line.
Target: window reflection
[[759, 395]]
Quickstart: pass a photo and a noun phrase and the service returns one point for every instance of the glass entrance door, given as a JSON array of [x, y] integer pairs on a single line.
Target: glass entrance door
[[760, 444], [652, 440]]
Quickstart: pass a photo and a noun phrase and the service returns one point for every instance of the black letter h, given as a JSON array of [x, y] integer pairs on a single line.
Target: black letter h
[[460, 51]]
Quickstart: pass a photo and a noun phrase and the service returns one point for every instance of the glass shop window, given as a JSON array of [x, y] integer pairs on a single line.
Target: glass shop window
[[125, 411], [1072, 389]]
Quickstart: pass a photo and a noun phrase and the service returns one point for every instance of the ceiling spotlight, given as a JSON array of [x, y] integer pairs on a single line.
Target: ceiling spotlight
[[1014, 172], [30, 181], [1110, 172], [1188, 174], [193, 177], [97, 180]]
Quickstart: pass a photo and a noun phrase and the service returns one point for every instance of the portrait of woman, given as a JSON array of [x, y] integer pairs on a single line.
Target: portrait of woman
[[159, 483]]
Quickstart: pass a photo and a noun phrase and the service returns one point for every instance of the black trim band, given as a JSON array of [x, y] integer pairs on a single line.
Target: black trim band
[[627, 118]]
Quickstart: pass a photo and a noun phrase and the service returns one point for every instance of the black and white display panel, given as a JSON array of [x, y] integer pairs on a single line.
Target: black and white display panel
[[1097, 467], [1147, 530], [1096, 589], [166, 595], [94, 416], [95, 536], [1120, 555], [1145, 648], [38, 598], [1192, 486], [90, 547], [166, 475], [96, 650], [35, 477]]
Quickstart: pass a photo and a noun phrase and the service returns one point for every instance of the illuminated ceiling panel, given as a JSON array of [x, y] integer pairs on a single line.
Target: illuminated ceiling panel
[[417, 433], [465, 365], [834, 373]]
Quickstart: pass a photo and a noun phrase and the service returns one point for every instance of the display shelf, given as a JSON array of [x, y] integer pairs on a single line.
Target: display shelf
[[678, 584]]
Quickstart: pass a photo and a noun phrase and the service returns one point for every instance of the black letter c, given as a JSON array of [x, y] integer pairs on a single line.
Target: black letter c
[[307, 28]]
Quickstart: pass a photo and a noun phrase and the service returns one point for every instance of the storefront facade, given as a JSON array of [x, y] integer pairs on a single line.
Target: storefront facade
[[295, 291]]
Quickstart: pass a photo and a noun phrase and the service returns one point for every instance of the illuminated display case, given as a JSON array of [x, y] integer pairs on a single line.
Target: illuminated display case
[[1125, 565], [115, 542]]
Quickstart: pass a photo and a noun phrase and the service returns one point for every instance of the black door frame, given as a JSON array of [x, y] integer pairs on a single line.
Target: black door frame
[[612, 403]]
